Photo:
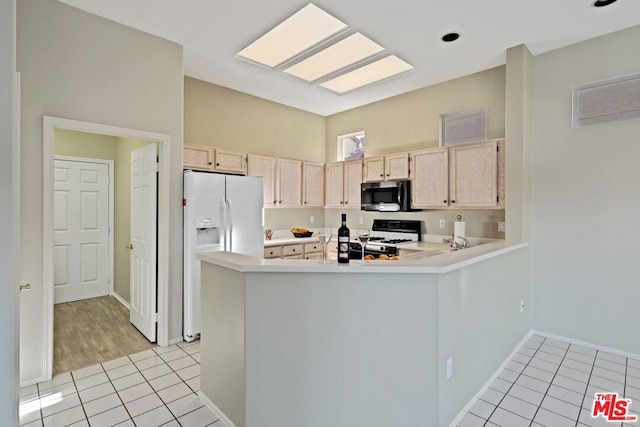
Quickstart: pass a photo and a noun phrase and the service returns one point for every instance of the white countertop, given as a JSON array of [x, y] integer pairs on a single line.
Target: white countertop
[[442, 260], [278, 241]]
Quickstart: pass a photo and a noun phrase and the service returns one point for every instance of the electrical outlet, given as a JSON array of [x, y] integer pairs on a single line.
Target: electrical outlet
[[443, 223], [501, 226], [361, 220], [312, 219], [449, 367], [521, 305]]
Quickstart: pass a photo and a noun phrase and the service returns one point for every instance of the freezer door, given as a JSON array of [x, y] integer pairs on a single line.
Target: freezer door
[[245, 204], [203, 232]]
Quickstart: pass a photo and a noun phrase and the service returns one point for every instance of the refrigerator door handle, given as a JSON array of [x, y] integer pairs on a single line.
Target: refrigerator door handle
[[230, 223], [225, 227]]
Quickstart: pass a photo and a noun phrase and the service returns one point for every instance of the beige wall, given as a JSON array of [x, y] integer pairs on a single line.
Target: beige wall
[[83, 144], [82, 67], [214, 115], [411, 121]]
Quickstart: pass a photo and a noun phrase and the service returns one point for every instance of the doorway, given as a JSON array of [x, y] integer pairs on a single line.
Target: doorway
[[51, 124]]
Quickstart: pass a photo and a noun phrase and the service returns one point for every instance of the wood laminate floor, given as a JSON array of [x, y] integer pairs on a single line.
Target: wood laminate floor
[[93, 331]]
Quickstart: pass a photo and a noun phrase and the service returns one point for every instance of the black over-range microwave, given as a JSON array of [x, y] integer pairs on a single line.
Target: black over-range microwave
[[386, 196]]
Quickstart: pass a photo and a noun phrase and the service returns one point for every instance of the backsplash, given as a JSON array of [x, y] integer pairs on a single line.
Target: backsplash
[[479, 223]]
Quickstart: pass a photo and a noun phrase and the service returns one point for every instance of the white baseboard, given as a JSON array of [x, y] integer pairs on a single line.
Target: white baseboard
[[226, 422], [588, 345], [484, 388], [176, 340], [121, 300]]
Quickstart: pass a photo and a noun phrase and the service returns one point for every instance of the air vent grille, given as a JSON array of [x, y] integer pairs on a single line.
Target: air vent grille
[[606, 101]]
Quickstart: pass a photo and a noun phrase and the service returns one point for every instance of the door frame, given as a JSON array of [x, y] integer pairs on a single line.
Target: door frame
[[110, 164], [50, 124]]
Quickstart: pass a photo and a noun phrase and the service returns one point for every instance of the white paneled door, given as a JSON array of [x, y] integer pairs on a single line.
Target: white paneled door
[[81, 230], [143, 247]]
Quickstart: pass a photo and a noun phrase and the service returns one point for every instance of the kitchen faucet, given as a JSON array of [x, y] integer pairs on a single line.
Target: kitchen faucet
[[455, 245]]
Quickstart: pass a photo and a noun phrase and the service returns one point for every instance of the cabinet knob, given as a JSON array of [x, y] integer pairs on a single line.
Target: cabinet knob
[[293, 250], [444, 201], [210, 163], [346, 203], [305, 203], [279, 201], [453, 201], [381, 175], [275, 201], [387, 174], [217, 164]]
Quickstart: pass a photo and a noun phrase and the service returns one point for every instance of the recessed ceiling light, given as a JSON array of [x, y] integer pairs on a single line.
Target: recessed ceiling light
[[349, 51], [376, 71], [303, 30], [602, 3], [450, 37]]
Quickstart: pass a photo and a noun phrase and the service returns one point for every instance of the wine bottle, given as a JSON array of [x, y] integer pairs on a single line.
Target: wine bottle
[[343, 241]]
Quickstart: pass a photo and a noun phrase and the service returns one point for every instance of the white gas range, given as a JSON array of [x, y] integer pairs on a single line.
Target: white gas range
[[386, 235]]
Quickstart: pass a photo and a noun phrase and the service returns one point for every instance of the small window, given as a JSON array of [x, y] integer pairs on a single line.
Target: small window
[[464, 127], [351, 146]]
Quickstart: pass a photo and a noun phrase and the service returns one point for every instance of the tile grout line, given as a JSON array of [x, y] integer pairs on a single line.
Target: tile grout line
[[549, 387], [513, 383], [584, 396]]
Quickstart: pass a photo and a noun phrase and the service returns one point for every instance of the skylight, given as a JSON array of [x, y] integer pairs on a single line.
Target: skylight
[[300, 32], [311, 45], [382, 69], [346, 52]]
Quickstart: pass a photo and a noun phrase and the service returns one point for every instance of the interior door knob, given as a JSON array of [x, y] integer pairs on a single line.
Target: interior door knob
[[130, 246], [25, 287]]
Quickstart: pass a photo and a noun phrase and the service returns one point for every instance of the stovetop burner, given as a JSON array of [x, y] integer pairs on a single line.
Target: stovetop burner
[[392, 232]]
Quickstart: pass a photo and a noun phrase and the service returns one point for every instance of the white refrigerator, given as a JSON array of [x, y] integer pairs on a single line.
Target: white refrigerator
[[221, 213]]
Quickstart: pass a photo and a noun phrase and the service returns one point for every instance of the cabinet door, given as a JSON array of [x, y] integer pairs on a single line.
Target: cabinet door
[[230, 161], [373, 169], [266, 168], [473, 175], [352, 181], [289, 183], [197, 157], [334, 185], [430, 178], [313, 184], [396, 166]]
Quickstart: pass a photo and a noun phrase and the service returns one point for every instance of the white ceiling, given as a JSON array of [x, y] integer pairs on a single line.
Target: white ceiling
[[213, 32]]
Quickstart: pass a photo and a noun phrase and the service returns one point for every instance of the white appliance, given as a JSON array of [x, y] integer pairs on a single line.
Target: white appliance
[[221, 213]]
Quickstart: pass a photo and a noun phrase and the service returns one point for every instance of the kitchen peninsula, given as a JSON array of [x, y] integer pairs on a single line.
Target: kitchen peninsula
[[292, 342]]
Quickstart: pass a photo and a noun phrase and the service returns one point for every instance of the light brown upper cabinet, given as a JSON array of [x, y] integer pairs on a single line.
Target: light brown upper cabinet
[[230, 161], [395, 166], [197, 157], [373, 169], [289, 183], [313, 184], [206, 158], [466, 176], [430, 178], [342, 188], [265, 167]]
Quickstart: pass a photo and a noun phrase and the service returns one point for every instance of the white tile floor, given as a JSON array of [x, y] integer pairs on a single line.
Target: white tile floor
[[156, 387], [553, 383]]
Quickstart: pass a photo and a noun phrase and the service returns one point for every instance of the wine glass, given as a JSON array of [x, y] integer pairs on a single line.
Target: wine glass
[[324, 236], [363, 236]]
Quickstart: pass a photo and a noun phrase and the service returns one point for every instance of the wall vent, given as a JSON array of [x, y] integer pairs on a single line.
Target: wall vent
[[606, 101], [463, 127]]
